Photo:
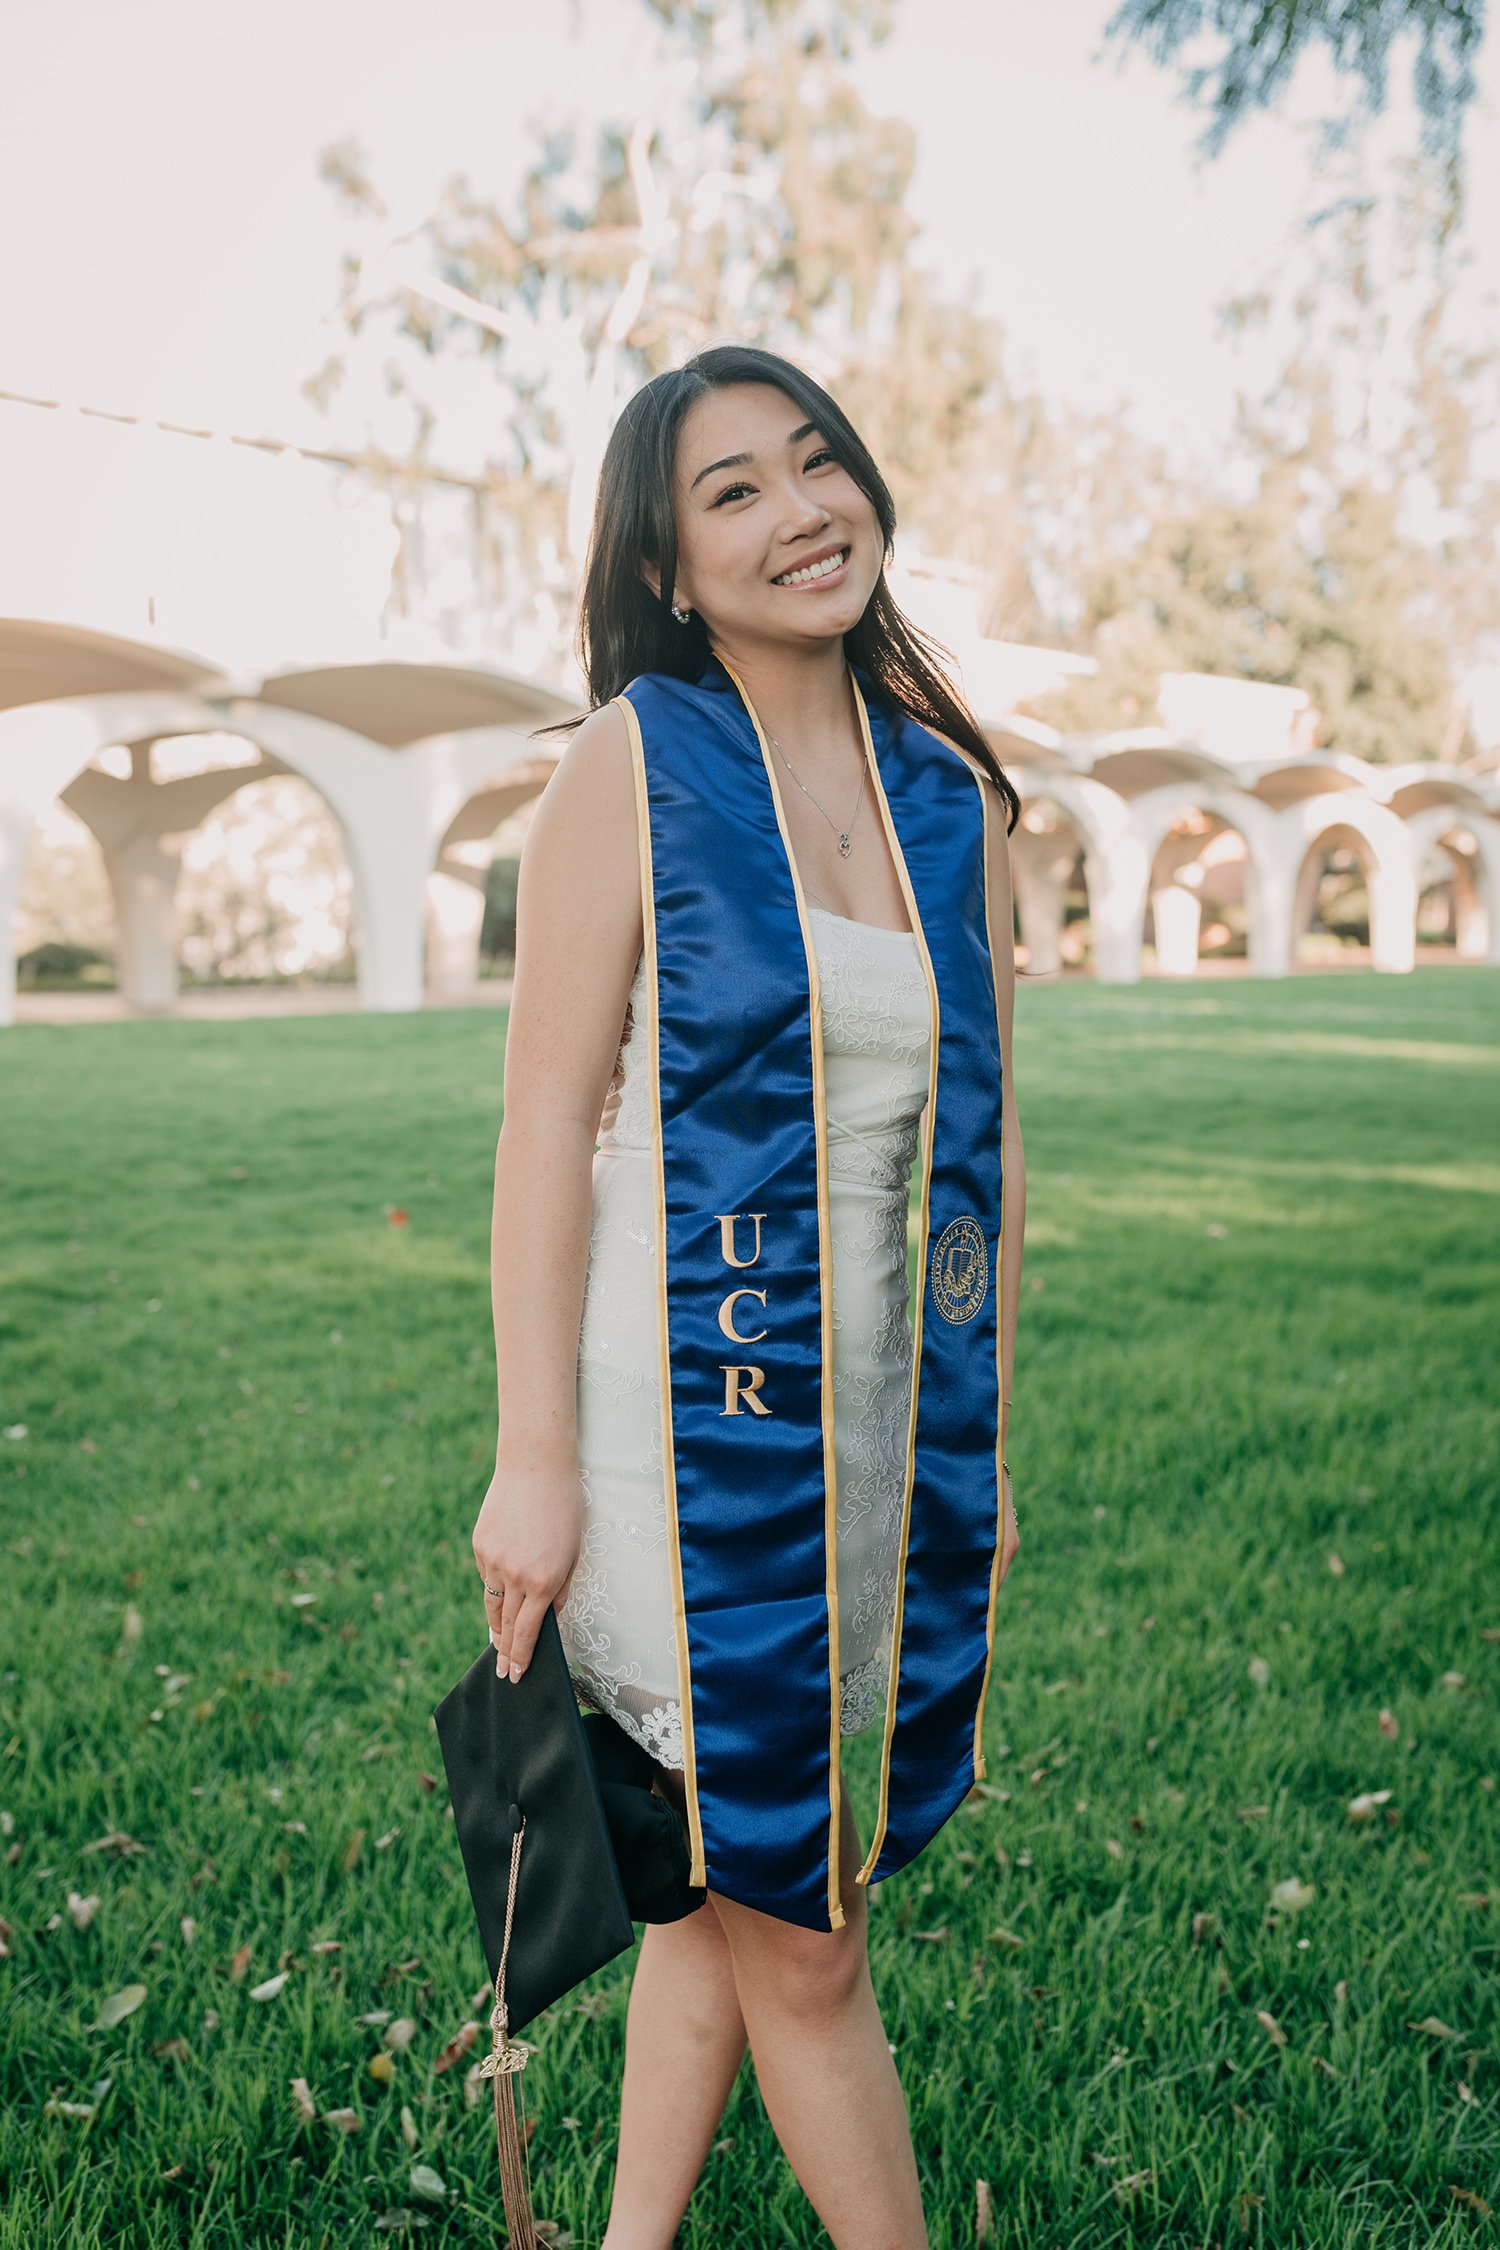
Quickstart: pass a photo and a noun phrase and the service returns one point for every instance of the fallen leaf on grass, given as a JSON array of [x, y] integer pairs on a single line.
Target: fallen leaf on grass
[[7, 1937], [1435, 2027], [384, 1843], [408, 2129], [352, 1850], [119, 2005], [1202, 1924], [328, 1945], [81, 2110], [1271, 2027], [984, 2212], [240, 1963], [1361, 1807], [1321, 2062], [428, 2184], [343, 2120], [381, 2068], [270, 1988], [931, 1937], [1475, 2202], [473, 2086], [1453, 1680], [189, 1929], [1389, 1725], [1005, 1937], [400, 2221], [1293, 1894], [82, 1910], [307, 2108], [1336, 1565], [173, 2050], [457, 2047], [118, 1842], [400, 2034], [1131, 2184]]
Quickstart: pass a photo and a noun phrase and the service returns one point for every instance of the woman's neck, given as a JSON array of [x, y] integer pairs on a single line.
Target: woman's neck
[[801, 695]]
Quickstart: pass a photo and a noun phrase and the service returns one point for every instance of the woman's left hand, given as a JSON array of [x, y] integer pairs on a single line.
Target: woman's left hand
[[1010, 1538]]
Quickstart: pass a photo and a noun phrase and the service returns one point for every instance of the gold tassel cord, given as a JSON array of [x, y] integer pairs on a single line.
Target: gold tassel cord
[[503, 2066]]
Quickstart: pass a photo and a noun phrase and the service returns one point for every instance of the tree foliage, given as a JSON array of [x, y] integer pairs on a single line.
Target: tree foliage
[[1260, 43]]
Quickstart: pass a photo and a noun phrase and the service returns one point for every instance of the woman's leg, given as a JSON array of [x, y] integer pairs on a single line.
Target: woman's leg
[[684, 2043], [825, 2066]]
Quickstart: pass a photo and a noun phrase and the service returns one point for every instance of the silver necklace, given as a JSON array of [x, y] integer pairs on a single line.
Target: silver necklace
[[843, 834]]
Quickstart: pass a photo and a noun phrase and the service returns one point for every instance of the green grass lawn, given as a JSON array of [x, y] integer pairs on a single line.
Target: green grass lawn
[[1254, 1449]]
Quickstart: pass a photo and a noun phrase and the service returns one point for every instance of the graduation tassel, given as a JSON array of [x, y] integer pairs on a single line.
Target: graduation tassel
[[502, 2066]]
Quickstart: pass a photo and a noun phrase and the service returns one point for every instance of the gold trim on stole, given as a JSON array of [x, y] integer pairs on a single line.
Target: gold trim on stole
[[825, 1271], [928, 1143], [698, 1872], [989, 1629]]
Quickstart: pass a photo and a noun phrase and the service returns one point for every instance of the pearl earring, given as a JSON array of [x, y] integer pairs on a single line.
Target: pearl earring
[[682, 615]]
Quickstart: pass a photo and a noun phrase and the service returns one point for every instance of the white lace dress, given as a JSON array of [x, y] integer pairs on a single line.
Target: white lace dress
[[616, 1624]]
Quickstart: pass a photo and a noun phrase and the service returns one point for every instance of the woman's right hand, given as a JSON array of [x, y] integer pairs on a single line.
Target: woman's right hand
[[527, 1540]]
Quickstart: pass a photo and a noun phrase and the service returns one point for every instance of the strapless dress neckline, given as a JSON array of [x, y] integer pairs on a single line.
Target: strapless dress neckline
[[877, 929]]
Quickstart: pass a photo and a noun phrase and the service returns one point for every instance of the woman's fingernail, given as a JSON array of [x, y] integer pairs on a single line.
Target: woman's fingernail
[[515, 1671]]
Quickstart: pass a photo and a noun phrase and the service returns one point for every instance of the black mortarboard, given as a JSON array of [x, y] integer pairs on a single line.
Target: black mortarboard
[[565, 1845]]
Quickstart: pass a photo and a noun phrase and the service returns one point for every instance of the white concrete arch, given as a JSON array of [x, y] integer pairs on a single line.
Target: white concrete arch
[[1478, 882], [1175, 905], [1385, 845], [1114, 869], [502, 771], [44, 747]]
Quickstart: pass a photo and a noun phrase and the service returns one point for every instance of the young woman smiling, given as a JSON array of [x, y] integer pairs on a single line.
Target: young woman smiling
[[768, 877]]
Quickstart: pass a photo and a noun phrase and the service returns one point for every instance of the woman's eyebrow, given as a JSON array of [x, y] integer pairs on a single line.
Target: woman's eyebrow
[[742, 460]]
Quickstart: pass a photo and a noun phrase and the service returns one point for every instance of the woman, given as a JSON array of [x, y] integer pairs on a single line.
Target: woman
[[788, 760]]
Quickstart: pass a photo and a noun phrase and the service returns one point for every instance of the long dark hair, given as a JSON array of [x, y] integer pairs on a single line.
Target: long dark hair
[[624, 629]]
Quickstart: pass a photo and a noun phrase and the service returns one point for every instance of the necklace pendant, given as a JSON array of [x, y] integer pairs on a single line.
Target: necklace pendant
[[845, 846]]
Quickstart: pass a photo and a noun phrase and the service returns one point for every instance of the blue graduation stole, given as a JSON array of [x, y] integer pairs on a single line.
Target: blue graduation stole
[[745, 1297]]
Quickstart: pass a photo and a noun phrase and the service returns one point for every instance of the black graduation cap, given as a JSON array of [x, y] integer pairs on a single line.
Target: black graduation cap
[[566, 1845]]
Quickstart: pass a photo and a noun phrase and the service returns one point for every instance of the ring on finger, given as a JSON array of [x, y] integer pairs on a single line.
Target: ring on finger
[[496, 1593]]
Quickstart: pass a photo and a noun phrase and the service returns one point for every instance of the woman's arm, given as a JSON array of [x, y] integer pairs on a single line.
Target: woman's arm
[[578, 937]]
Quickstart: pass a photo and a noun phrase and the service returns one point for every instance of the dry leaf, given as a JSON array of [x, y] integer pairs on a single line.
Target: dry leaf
[[1475, 2202], [173, 2050], [83, 2110], [328, 1945], [240, 1963], [984, 2212], [344, 2120], [119, 2005], [1336, 1565], [1271, 2027], [1454, 1680], [1115, 1849], [131, 1626], [1389, 1725], [1005, 1937], [82, 1910], [457, 2047], [270, 1988], [123, 1846], [352, 1850], [307, 2108], [1293, 1894], [408, 2129], [473, 2086], [1321, 2062], [428, 2184], [189, 1929], [1132, 2182], [384, 1843], [1259, 1671], [1361, 1807], [400, 2034], [1435, 2026], [931, 1937], [1202, 1924], [7, 1937]]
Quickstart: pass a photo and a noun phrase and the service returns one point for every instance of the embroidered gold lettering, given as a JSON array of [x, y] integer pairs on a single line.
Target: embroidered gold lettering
[[727, 1222], [735, 1389], [726, 1316]]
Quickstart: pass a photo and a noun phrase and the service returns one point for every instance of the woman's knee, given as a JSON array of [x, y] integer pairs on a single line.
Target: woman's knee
[[811, 1973]]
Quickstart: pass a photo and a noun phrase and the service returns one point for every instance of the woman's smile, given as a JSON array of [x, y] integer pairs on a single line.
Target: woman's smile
[[826, 568]]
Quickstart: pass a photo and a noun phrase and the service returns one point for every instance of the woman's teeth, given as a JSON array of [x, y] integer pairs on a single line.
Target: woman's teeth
[[814, 571]]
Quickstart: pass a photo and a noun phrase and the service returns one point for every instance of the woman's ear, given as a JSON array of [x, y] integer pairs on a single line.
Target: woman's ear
[[652, 577]]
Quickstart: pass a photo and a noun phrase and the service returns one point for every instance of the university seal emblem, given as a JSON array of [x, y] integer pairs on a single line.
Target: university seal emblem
[[960, 1270]]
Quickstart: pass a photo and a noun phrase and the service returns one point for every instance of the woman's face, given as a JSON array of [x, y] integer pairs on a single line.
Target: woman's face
[[775, 541]]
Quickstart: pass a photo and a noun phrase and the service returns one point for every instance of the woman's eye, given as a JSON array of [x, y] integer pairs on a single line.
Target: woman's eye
[[817, 459], [731, 492]]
